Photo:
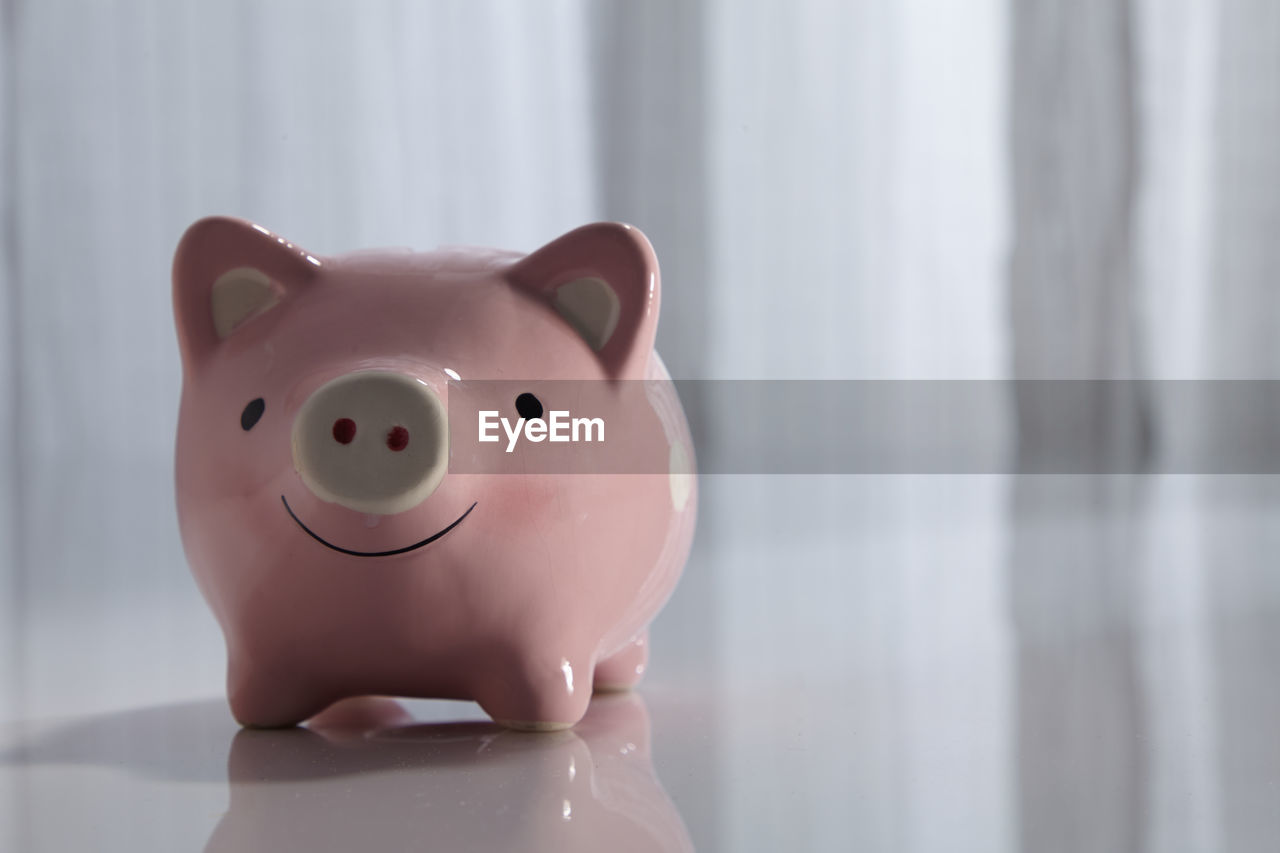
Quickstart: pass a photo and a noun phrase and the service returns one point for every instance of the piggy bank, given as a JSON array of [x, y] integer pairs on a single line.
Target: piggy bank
[[340, 551]]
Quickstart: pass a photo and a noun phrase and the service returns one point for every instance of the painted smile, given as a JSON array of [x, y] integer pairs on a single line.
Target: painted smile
[[391, 553]]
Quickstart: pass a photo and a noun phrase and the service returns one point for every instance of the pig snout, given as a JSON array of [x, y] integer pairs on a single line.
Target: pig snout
[[373, 441]]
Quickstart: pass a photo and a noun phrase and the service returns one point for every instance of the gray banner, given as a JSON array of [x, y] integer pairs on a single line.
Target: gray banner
[[870, 427]]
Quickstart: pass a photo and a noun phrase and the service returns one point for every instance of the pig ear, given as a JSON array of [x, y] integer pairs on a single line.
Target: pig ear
[[603, 279], [226, 272]]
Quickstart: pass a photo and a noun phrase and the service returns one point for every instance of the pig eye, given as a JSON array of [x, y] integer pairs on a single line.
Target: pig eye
[[252, 413], [528, 406]]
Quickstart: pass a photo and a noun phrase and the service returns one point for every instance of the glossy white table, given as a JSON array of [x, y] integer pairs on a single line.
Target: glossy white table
[[886, 663]]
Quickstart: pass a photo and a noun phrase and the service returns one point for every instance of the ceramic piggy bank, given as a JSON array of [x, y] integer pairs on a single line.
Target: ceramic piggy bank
[[338, 548]]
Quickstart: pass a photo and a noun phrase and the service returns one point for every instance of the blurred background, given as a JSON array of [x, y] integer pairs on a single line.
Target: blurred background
[[921, 189]]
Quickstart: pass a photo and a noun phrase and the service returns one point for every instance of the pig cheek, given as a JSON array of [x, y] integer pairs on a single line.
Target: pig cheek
[[225, 461], [511, 497]]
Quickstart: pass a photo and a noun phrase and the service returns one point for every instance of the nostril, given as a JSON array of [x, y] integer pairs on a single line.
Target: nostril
[[398, 438], [344, 430]]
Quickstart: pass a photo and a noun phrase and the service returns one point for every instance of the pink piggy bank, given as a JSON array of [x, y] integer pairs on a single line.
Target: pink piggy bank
[[318, 509]]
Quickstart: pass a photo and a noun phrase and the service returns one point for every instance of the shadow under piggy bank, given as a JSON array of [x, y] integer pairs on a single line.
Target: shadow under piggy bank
[[364, 776]]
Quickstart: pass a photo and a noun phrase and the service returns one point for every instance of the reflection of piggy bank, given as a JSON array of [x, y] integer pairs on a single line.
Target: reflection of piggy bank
[[372, 779], [322, 524]]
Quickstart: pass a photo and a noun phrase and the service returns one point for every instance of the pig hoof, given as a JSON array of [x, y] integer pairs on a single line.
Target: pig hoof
[[535, 694], [261, 699], [623, 669], [262, 716], [268, 727]]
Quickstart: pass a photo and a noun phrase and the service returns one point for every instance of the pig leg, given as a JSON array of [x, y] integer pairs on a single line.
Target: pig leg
[[622, 669], [535, 693], [269, 699]]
